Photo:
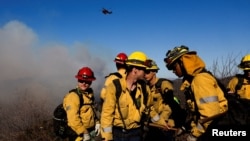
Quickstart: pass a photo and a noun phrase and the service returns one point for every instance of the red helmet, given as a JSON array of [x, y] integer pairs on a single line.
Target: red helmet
[[86, 74], [121, 58]]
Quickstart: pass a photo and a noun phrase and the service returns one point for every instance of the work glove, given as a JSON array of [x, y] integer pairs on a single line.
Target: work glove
[[170, 123], [97, 129], [190, 137], [86, 137]]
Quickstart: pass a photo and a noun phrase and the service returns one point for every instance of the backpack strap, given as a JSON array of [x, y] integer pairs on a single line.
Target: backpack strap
[[118, 88], [117, 95], [81, 101], [158, 85], [178, 113], [159, 82], [114, 73], [240, 82], [76, 91], [144, 91]]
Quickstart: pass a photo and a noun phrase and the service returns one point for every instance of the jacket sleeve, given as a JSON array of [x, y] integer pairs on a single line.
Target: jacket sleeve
[[156, 118], [167, 97], [232, 84], [108, 80], [71, 105], [107, 114], [154, 115], [165, 111]]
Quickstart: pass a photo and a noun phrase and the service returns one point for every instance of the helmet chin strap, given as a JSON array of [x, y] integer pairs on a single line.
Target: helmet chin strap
[[183, 70]]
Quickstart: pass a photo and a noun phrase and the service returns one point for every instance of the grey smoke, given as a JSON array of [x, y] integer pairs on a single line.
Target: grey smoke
[[47, 72]]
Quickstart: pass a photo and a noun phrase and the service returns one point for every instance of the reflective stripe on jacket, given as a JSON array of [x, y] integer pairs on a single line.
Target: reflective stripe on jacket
[[209, 98]]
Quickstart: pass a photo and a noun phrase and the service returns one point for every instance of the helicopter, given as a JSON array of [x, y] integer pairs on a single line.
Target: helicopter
[[106, 11]]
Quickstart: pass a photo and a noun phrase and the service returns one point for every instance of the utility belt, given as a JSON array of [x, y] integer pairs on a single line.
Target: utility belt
[[124, 133]]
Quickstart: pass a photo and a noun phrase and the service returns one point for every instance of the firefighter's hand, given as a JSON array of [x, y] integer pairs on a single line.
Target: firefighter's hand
[[180, 131], [163, 123], [86, 137], [190, 137], [97, 129], [170, 123]]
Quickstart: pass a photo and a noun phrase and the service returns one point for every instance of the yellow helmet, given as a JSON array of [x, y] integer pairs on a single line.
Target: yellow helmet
[[174, 54], [152, 65], [245, 63], [138, 59]]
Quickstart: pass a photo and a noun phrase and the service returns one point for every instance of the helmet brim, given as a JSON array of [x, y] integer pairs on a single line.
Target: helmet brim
[[170, 62], [243, 66]]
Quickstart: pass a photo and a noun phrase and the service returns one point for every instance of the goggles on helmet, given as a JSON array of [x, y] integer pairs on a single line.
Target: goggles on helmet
[[167, 60], [173, 55], [247, 64], [119, 61], [169, 63], [84, 76], [152, 65]]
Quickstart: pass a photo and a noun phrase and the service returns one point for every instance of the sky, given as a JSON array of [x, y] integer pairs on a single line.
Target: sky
[[43, 43]]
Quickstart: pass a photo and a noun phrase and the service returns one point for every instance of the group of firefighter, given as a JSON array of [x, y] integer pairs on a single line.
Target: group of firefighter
[[121, 117]]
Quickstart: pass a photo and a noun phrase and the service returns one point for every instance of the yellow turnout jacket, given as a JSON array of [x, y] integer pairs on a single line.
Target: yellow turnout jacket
[[208, 95], [163, 109], [86, 118], [244, 91], [131, 112]]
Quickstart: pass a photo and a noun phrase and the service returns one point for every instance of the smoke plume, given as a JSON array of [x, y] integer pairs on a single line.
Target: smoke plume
[[46, 72]]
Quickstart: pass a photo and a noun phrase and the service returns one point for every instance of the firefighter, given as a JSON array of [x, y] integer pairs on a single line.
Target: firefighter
[[82, 120], [119, 60], [204, 97], [121, 115], [160, 105], [240, 84]]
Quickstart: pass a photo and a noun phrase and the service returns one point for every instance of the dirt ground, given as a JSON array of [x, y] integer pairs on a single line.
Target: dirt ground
[[178, 138], [181, 137]]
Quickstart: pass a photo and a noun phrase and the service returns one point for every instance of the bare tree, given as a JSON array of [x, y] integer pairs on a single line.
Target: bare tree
[[225, 67]]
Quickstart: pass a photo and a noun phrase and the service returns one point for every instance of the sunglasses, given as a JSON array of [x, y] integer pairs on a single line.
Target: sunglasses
[[141, 68], [246, 64], [147, 71], [84, 81]]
